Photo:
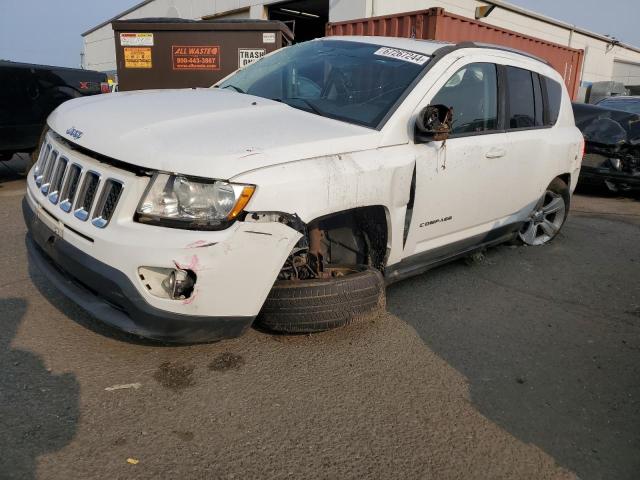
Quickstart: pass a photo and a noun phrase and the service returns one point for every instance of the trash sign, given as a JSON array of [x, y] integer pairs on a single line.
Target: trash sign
[[247, 56], [137, 57], [136, 39], [195, 57]]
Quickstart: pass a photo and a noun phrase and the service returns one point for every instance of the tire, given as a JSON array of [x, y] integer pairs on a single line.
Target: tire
[[317, 305], [548, 216]]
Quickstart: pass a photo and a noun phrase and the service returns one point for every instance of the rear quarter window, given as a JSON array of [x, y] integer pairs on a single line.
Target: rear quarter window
[[554, 99]]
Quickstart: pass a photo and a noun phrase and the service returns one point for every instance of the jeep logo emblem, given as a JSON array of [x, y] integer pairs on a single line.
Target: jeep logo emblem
[[72, 132]]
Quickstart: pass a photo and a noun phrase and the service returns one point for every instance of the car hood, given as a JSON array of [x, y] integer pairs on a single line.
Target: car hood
[[203, 132]]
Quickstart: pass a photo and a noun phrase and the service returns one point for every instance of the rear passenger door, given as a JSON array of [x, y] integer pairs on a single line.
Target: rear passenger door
[[528, 144]]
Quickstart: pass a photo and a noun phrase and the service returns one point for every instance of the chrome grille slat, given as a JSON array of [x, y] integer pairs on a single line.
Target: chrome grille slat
[[56, 179], [48, 172], [70, 187], [87, 195], [43, 165], [107, 204], [44, 152]]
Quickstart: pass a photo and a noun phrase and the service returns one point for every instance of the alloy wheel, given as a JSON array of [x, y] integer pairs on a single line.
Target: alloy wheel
[[545, 221]]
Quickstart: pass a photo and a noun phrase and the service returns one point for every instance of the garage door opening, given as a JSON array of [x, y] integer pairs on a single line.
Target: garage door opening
[[306, 18]]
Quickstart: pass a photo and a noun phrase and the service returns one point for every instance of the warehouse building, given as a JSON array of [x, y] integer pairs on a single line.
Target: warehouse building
[[604, 59]]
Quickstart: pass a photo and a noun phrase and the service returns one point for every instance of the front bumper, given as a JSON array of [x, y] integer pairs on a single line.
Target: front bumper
[[234, 277], [109, 295]]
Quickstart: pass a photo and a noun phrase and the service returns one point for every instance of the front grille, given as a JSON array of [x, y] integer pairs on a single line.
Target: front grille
[[66, 182]]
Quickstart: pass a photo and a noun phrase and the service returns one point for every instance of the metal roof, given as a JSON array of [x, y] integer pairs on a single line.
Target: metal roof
[[117, 17], [498, 3], [559, 23]]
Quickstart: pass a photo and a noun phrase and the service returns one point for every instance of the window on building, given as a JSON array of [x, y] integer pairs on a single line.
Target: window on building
[[472, 92]]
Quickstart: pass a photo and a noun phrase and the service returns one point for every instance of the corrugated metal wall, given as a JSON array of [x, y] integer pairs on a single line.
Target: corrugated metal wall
[[437, 24]]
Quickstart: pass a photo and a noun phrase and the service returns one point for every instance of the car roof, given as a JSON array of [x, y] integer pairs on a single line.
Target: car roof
[[427, 47]]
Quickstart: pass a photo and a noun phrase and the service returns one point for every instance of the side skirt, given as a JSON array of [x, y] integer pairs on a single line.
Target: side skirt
[[420, 263]]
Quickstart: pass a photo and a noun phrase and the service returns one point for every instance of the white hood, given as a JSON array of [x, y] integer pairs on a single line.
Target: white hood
[[203, 132]]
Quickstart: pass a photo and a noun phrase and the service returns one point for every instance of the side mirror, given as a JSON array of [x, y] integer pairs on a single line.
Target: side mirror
[[433, 124]]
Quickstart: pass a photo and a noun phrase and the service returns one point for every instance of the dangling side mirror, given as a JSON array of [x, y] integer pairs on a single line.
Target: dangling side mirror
[[433, 124]]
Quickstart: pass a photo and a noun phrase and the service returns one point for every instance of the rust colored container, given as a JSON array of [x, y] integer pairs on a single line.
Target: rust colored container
[[437, 24], [176, 53]]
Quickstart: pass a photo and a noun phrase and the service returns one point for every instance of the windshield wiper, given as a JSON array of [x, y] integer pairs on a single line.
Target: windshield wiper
[[311, 106], [237, 89]]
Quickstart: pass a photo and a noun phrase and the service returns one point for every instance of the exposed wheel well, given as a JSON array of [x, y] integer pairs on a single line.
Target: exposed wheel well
[[352, 237], [566, 178]]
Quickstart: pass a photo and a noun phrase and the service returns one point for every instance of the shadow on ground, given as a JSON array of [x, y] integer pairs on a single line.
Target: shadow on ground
[[39, 409], [551, 353]]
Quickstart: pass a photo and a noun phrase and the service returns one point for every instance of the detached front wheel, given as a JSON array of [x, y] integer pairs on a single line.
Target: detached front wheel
[[307, 306], [548, 216]]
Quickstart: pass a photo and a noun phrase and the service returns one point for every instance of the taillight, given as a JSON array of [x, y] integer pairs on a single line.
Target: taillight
[[104, 87], [583, 147]]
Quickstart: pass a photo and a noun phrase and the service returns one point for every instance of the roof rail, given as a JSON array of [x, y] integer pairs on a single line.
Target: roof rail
[[493, 46]]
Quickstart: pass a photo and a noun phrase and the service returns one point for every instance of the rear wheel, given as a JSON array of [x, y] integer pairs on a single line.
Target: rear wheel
[[306, 306], [548, 216]]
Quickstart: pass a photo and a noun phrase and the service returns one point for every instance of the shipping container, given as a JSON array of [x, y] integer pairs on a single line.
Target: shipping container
[[177, 53], [437, 24]]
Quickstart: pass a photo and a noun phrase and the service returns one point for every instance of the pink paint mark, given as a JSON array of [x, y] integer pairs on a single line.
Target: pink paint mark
[[189, 300], [197, 244], [193, 265]]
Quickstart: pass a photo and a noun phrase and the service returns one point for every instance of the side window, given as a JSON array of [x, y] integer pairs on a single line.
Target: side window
[[522, 100], [472, 92], [554, 96]]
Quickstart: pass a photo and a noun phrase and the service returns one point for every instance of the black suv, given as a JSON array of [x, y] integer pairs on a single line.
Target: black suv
[[29, 93]]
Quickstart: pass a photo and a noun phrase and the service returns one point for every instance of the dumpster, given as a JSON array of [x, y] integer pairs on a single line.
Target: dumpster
[[179, 53], [438, 24]]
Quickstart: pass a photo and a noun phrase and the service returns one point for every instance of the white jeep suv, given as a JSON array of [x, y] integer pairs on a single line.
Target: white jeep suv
[[295, 188]]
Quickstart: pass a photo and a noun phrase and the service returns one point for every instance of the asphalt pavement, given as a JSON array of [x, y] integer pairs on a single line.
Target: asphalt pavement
[[522, 364]]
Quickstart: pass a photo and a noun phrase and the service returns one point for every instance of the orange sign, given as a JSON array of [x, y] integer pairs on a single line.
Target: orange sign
[[195, 57], [137, 57]]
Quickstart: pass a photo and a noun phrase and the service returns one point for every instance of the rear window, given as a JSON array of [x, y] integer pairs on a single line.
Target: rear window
[[626, 105], [554, 95]]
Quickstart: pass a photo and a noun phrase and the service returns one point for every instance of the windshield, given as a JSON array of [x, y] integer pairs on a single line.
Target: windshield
[[350, 81], [626, 105]]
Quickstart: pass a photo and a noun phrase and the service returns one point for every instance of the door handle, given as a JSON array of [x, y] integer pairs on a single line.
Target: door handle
[[496, 153]]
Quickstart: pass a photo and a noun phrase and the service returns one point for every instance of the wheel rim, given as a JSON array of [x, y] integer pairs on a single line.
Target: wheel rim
[[545, 221]]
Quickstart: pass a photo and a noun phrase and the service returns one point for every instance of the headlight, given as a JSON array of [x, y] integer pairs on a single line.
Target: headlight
[[182, 202]]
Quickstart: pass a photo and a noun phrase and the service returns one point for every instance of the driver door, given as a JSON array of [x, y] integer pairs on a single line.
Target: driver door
[[462, 184]]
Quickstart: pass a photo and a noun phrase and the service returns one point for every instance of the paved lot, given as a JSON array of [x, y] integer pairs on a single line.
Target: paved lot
[[526, 365]]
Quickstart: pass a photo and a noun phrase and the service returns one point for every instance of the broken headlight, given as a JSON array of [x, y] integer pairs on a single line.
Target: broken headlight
[[179, 201]]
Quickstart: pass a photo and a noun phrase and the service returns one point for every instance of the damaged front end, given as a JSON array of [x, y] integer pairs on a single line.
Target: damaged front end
[[331, 246], [612, 147]]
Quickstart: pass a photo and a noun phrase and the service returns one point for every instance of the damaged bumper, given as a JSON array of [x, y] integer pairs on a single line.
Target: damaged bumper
[[235, 271], [616, 172]]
